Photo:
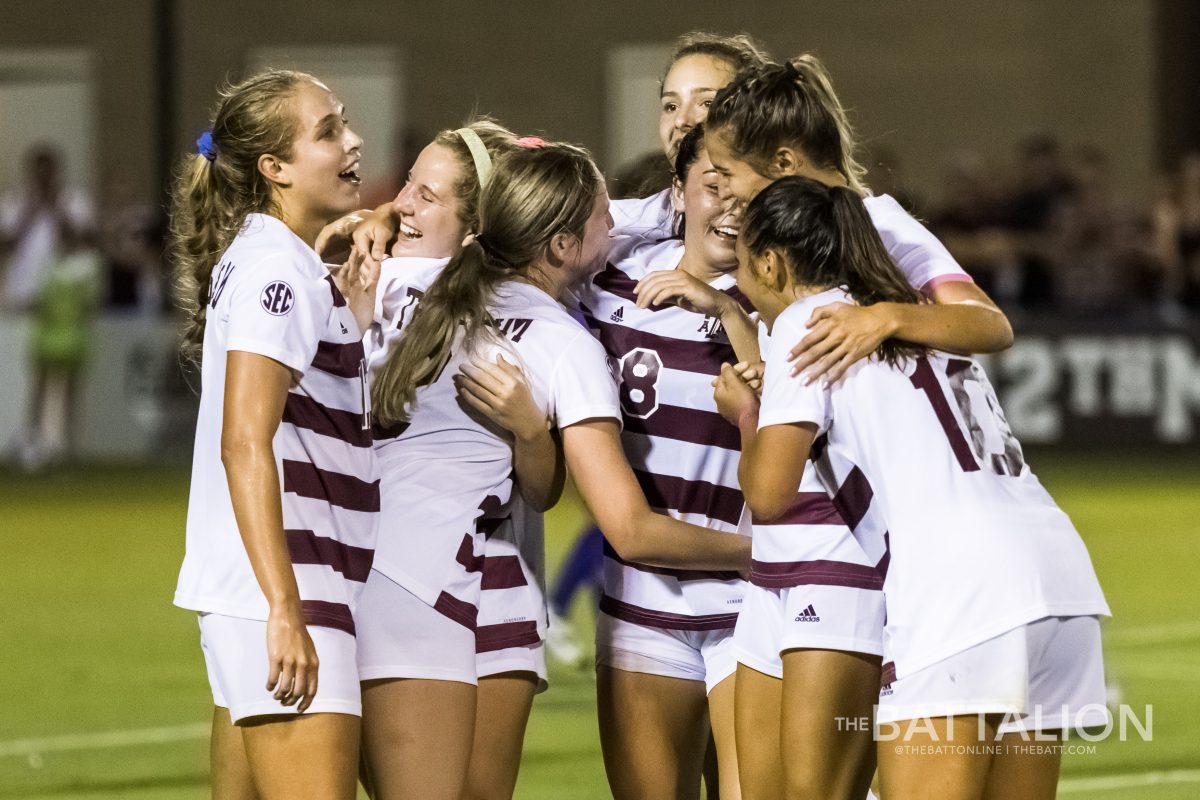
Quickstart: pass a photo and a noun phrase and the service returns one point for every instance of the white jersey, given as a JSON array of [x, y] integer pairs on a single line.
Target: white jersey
[[923, 455], [923, 259], [651, 217], [447, 474], [271, 295], [683, 453]]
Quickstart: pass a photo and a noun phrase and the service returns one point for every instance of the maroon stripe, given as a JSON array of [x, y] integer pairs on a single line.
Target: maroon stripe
[[304, 412], [328, 615], [853, 497], [380, 431], [489, 638], [743, 301], [346, 491], [661, 619], [686, 425], [888, 676], [466, 556], [488, 527], [342, 360], [460, 611], [615, 281], [339, 300], [503, 572], [668, 493], [493, 507], [305, 547], [886, 561], [705, 356], [819, 572], [682, 575], [810, 508]]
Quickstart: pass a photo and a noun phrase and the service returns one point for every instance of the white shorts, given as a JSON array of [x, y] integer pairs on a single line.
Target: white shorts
[[1047, 675], [694, 655], [773, 621], [235, 654], [526, 658], [402, 636]]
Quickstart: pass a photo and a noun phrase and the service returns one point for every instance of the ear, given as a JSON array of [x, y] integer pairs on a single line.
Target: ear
[[785, 161], [275, 170], [773, 270], [677, 196], [470, 237], [560, 248]]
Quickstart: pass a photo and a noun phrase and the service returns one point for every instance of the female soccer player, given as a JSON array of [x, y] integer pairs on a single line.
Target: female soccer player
[[668, 314], [992, 602], [543, 230], [283, 509]]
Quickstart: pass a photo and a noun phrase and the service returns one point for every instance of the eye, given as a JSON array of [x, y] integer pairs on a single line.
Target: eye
[[706, 103], [670, 108]]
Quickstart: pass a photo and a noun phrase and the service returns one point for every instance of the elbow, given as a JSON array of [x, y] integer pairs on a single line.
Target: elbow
[[622, 536], [766, 506], [236, 448], [1002, 334]]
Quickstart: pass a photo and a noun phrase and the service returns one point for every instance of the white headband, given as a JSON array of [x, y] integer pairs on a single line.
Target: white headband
[[479, 154]]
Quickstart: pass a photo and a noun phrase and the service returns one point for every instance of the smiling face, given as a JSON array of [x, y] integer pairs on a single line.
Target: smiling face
[[687, 92], [710, 225], [428, 206], [320, 180], [736, 177]]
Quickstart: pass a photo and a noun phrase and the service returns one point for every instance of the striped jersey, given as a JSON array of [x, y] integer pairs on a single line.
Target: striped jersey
[[682, 452], [447, 474], [271, 295], [924, 457]]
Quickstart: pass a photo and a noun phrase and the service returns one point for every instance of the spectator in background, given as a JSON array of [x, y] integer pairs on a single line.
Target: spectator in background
[[1043, 180], [131, 239], [1175, 222], [33, 225]]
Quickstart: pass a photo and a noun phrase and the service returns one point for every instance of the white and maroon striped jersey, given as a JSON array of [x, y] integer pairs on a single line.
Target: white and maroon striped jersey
[[922, 258], [922, 458], [683, 453], [650, 217], [447, 474], [271, 295]]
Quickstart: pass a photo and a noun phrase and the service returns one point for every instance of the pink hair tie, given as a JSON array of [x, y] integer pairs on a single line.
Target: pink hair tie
[[531, 141]]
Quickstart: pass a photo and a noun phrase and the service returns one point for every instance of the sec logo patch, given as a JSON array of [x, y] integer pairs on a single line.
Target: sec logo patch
[[277, 298]]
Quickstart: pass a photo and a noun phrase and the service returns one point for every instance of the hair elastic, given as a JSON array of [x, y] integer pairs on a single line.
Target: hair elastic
[[206, 147], [479, 154], [531, 141]]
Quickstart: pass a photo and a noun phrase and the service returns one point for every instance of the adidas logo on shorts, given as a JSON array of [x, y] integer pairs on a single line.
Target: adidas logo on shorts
[[808, 615], [618, 315]]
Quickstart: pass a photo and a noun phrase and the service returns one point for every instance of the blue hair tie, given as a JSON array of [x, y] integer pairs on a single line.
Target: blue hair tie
[[206, 147]]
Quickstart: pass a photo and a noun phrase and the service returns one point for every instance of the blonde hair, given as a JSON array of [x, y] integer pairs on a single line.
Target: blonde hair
[[534, 193], [787, 104], [496, 139], [213, 193]]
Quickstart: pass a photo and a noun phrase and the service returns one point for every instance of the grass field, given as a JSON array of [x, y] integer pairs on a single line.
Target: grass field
[[103, 694]]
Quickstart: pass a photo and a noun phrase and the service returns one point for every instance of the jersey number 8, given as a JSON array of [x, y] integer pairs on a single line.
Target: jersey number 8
[[640, 369]]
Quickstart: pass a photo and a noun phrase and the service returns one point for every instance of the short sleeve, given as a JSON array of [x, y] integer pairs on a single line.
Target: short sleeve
[[919, 254], [583, 386], [787, 399], [278, 312], [651, 217]]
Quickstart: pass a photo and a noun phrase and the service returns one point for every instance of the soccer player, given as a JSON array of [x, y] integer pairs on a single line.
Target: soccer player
[[543, 229], [282, 516], [992, 603]]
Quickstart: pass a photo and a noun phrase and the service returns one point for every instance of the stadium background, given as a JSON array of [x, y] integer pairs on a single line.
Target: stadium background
[[964, 108]]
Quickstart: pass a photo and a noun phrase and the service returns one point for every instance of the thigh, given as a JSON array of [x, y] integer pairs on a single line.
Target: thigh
[[229, 767], [329, 767], [653, 733], [417, 737], [944, 757], [1024, 768], [758, 701], [503, 702], [721, 700], [825, 729]]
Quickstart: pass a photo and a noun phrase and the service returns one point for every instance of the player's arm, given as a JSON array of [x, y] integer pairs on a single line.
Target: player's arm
[[773, 459], [688, 292], [962, 319], [256, 389], [500, 392], [612, 493]]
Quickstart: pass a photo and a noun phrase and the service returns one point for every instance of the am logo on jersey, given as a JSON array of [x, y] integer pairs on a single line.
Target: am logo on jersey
[[277, 298]]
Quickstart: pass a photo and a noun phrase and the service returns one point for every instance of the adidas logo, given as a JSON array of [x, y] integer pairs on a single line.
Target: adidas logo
[[344, 328], [618, 315], [808, 615]]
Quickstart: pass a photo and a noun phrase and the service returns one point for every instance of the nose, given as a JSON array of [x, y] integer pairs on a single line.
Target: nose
[[403, 202], [693, 115], [354, 140]]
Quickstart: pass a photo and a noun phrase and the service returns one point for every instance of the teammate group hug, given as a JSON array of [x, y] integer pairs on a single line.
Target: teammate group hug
[[823, 544]]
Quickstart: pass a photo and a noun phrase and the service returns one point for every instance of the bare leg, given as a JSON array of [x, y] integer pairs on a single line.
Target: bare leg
[[944, 757], [502, 712], [310, 756], [417, 737], [757, 713], [1020, 774], [825, 727], [721, 716], [653, 731], [229, 768]]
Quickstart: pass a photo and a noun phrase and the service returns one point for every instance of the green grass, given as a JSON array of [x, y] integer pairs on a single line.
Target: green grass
[[90, 643]]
